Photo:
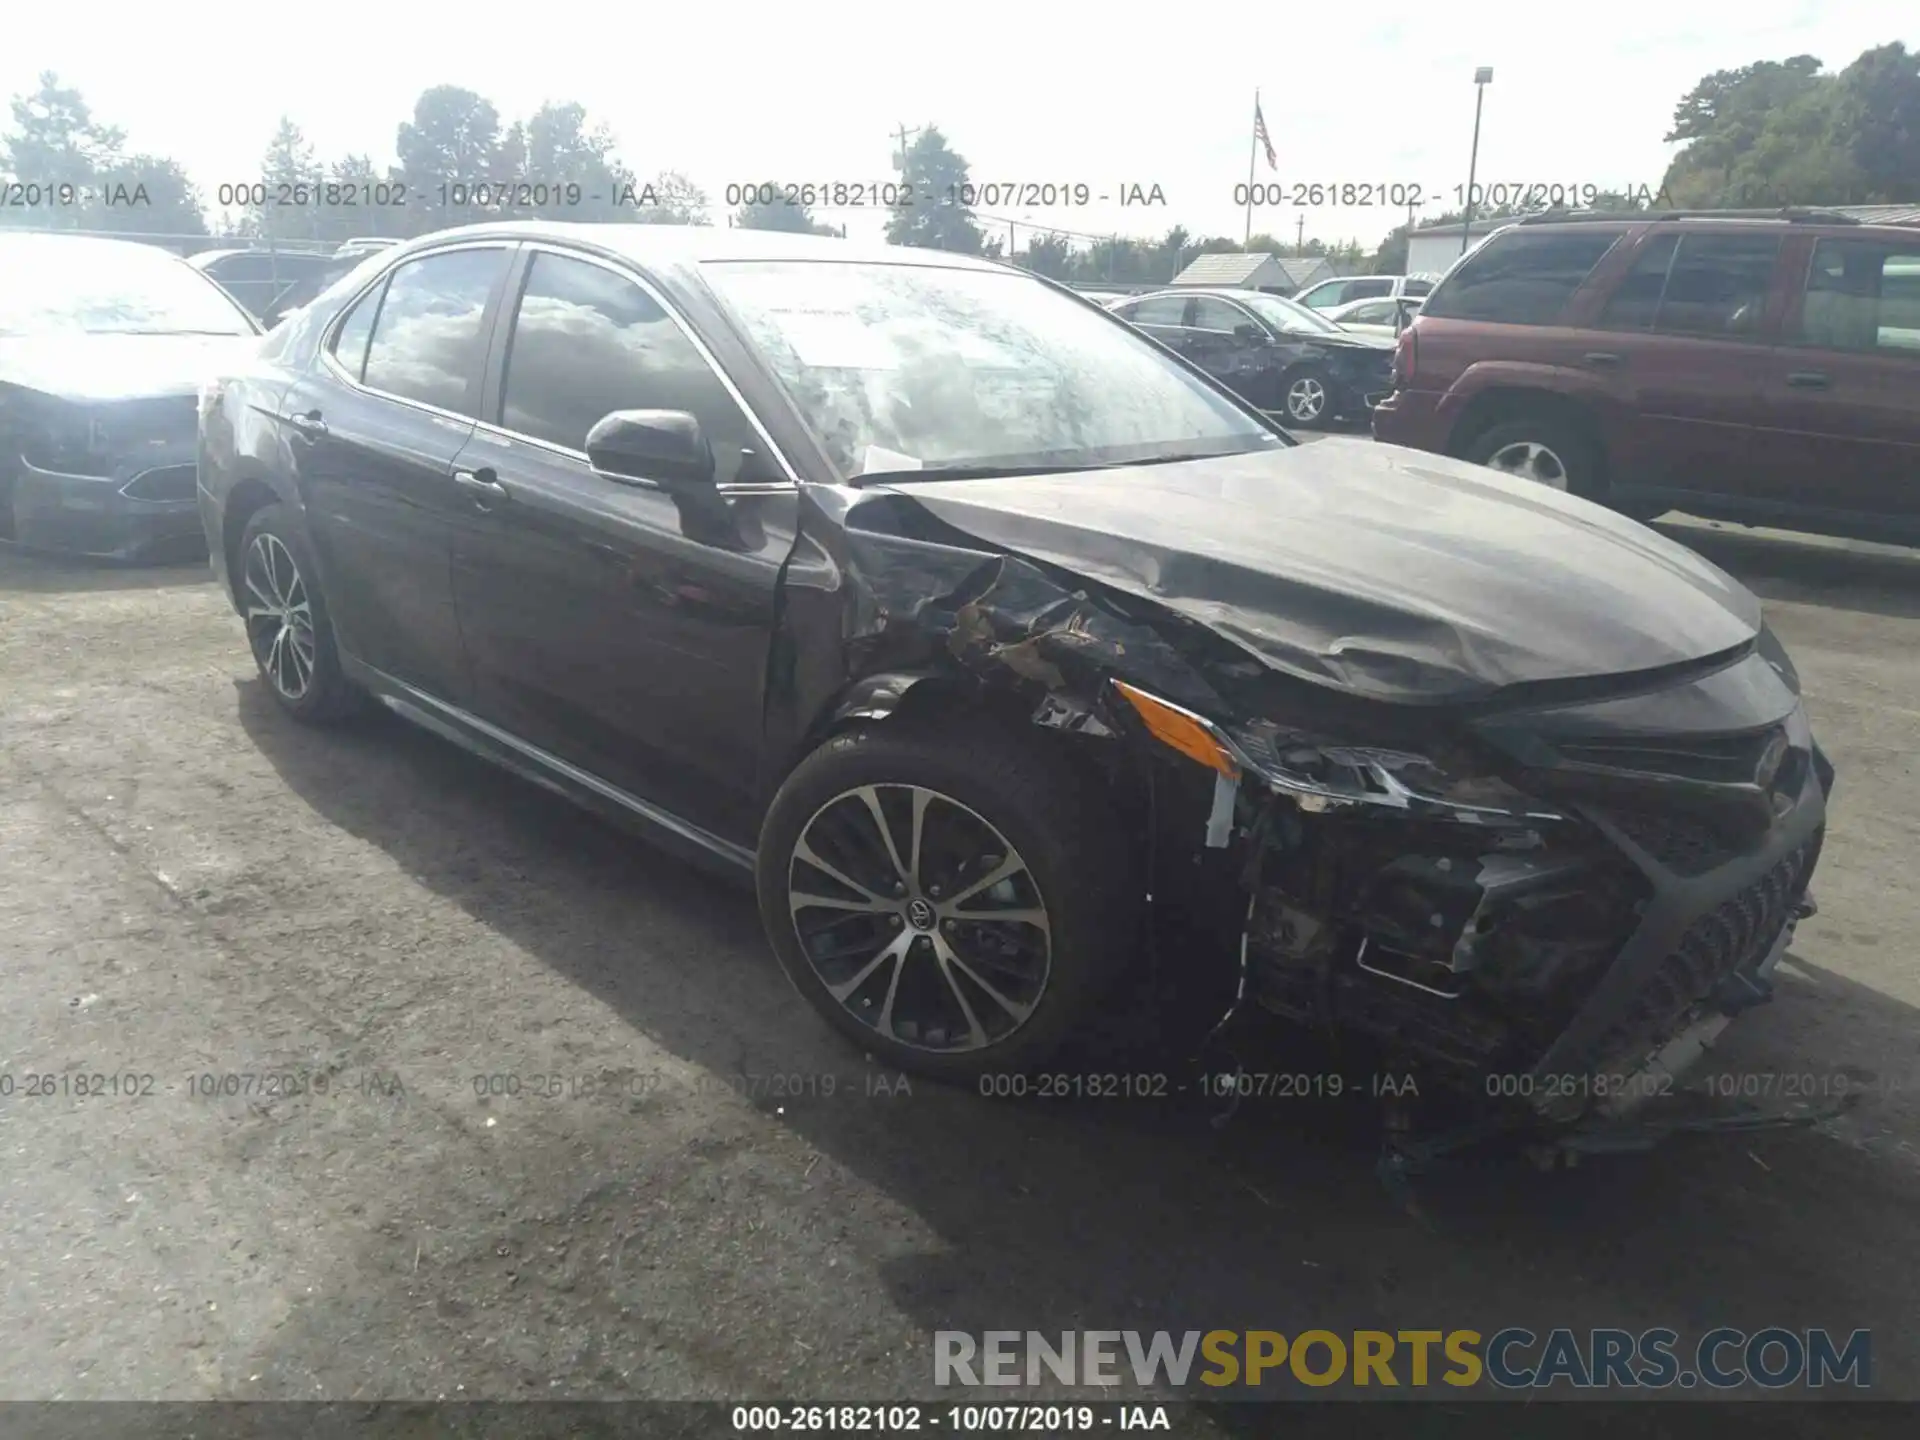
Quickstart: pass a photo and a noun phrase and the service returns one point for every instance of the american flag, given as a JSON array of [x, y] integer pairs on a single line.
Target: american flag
[[1260, 134]]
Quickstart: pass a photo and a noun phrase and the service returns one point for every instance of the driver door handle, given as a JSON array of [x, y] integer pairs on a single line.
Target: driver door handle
[[309, 425], [1601, 359], [480, 484], [1807, 380]]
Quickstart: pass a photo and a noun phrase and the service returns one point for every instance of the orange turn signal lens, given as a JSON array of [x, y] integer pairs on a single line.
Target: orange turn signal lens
[[1178, 730]]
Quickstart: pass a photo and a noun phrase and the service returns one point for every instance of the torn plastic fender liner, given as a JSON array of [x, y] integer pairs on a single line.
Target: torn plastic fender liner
[[879, 598], [914, 587]]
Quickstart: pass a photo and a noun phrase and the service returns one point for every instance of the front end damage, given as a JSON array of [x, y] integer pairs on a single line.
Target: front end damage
[[1540, 917]]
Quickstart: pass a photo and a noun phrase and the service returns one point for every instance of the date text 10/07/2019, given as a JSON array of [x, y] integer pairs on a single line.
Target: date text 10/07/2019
[[1401, 194], [1042, 1419], [513, 195], [987, 194]]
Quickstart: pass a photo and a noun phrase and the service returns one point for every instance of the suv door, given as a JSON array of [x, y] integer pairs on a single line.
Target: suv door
[[372, 430], [612, 623], [1840, 414], [1682, 335]]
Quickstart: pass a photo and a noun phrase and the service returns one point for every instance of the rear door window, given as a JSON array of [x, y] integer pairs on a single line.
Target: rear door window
[[1168, 310], [1368, 289], [350, 340], [1862, 295], [1522, 277], [429, 343]]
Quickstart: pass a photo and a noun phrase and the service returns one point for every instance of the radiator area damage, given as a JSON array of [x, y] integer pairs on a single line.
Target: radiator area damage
[[1409, 879]]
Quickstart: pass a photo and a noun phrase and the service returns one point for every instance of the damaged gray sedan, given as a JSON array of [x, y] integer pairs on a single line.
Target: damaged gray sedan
[[991, 637]]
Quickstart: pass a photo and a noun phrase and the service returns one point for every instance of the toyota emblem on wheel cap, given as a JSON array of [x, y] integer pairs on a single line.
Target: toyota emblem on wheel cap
[[921, 914]]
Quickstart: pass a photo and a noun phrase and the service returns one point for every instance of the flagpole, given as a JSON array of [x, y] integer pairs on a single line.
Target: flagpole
[[1253, 152]]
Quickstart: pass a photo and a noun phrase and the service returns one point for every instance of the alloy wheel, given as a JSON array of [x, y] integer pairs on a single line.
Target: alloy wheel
[[1306, 398], [919, 918], [279, 616], [1530, 460]]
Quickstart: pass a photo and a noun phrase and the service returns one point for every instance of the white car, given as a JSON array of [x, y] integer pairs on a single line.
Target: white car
[[1345, 289], [1375, 317]]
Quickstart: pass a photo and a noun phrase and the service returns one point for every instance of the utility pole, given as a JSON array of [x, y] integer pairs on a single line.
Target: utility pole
[[1481, 79], [902, 134]]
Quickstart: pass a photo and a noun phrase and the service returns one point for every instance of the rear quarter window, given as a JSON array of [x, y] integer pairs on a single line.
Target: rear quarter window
[[1521, 277]]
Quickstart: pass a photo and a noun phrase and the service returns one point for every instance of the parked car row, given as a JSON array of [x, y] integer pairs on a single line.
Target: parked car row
[[273, 282], [1272, 352], [1346, 289]]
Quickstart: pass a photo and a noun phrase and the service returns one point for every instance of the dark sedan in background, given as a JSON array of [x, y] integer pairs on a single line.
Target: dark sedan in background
[[1273, 353], [103, 345], [980, 631]]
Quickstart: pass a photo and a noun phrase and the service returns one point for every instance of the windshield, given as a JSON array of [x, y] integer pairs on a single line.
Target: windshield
[[54, 284], [907, 367], [1288, 315]]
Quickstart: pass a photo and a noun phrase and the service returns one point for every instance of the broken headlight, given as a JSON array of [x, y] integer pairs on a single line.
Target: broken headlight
[[1320, 775]]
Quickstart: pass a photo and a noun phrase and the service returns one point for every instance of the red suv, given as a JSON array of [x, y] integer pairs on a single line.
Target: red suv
[[1758, 368]]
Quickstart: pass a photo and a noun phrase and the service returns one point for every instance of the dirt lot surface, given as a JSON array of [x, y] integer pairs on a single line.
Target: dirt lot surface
[[191, 886]]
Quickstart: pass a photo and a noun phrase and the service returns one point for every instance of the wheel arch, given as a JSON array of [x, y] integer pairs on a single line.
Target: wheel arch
[[1499, 404], [249, 496]]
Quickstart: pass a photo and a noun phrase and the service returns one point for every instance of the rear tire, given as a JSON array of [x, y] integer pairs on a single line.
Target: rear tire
[[1541, 449], [288, 626], [904, 958]]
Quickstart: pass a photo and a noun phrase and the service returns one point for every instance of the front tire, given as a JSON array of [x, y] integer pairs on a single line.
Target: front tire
[[1306, 397], [288, 627], [956, 902]]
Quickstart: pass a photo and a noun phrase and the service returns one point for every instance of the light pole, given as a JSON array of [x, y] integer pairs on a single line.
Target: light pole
[[1482, 78]]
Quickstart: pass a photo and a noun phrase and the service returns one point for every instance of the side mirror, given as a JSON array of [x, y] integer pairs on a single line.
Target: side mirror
[[664, 446], [1249, 332]]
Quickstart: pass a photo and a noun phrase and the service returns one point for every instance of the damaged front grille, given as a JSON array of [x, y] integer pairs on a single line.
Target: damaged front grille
[[1730, 938], [1685, 846]]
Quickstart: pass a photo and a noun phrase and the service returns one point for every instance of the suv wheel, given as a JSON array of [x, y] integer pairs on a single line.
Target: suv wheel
[[1541, 450], [955, 903], [288, 628]]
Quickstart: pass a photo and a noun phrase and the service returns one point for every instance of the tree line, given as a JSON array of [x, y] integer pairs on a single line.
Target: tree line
[[1768, 134]]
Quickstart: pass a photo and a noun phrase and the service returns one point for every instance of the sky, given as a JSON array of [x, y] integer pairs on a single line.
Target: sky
[[1028, 95]]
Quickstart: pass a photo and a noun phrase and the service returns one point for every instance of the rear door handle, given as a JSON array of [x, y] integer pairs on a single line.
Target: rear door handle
[[480, 484], [1807, 380], [310, 425], [1601, 358]]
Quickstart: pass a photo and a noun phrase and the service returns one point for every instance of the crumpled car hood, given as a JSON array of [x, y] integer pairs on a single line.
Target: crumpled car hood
[[1385, 572], [117, 367]]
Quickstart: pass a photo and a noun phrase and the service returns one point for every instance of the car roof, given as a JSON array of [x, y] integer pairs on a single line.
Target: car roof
[[95, 245], [1817, 220], [684, 245]]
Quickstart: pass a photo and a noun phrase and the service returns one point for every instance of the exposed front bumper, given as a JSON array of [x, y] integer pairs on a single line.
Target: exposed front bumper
[[1704, 950], [144, 510]]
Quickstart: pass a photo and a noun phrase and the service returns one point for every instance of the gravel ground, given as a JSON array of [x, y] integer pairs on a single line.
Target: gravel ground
[[194, 887]]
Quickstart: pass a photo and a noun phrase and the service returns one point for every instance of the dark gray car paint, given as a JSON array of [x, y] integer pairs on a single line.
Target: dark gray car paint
[[1389, 574]]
